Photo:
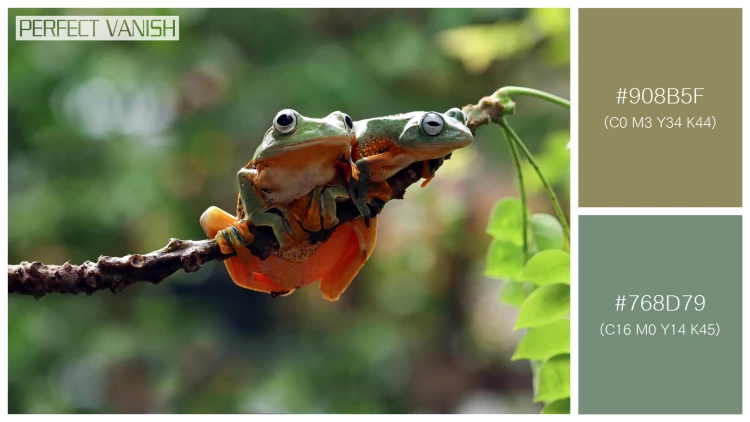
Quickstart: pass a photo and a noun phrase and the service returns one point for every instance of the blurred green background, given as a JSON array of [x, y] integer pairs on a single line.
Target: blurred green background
[[114, 147]]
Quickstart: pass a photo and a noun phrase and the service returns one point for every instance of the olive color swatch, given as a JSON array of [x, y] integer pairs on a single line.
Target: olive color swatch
[[663, 165], [629, 363]]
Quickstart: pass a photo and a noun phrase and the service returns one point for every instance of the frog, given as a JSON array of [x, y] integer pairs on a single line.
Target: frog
[[297, 157], [386, 145], [396, 142], [336, 261]]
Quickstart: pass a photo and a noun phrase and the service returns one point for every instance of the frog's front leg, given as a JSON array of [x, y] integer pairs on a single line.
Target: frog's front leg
[[375, 167], [358, 187], [429, 167], [286, 228]]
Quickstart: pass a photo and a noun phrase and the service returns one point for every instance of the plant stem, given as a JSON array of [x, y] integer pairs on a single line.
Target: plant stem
[[510, 91], [522, 188], [546, 184]]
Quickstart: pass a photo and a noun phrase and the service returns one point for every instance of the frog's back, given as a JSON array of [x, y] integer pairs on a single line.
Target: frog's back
[[379, 135]]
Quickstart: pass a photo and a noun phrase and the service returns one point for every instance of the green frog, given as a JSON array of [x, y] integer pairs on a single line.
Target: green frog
[[386, 145], [298, 156]]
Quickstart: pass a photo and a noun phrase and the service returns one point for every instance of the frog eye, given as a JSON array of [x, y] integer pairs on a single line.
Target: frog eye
[[285, 121], [348, 121], [432, 124], [457, 114]]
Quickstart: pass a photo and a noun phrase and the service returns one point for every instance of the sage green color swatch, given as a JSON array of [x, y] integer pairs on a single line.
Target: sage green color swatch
[[681, 49], [662, 374]]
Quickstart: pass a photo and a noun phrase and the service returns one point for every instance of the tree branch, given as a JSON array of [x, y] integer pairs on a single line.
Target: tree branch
[[111, 273], [117, 273]]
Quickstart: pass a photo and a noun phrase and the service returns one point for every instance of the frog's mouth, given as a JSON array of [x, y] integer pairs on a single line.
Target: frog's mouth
[[453, 143], [432, 150], [322, 141]]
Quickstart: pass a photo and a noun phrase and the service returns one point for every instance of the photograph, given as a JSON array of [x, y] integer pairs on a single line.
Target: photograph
[[289, 211]]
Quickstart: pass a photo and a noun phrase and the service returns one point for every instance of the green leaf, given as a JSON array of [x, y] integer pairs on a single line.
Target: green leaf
[[544, 305], [514, 293], [504, 260], [543, 342], [547, 232], [547, 267], [506, 221], [558, 407], [536, 366], [554, 380]]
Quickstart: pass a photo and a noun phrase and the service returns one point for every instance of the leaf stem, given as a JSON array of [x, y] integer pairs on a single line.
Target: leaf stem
[[547, 186], [522, 188], [510, 91]]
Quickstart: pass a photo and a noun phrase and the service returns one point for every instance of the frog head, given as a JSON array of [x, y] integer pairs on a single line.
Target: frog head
[[439, 133], [411, 137], [292, 131]]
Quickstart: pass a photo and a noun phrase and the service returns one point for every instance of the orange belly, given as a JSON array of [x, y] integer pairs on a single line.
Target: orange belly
[[288, 176], [307, 263]]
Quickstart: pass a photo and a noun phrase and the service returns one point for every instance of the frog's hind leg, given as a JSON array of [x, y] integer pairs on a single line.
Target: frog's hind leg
[[373, 169], [242, 266], [229, 232], [264, 284], [214, 220], [361, 234], [243, 275]]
